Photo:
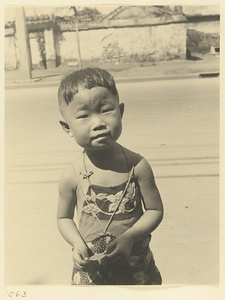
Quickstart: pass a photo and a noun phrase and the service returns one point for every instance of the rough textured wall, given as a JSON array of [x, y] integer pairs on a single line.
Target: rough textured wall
[[207, 27], [10, 53], [201, 42], [158, 42], [35, 53], [201, 37]]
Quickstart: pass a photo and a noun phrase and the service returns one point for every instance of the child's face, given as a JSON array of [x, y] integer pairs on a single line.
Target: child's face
[[94, 118]]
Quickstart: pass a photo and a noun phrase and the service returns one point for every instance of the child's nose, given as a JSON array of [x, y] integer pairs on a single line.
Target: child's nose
[[98, 122]]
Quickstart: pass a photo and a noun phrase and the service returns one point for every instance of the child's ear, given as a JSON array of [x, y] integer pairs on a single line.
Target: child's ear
[[121, 109], [66, 128]]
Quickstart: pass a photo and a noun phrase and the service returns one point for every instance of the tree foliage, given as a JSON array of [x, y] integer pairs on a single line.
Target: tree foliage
[[87, 14]]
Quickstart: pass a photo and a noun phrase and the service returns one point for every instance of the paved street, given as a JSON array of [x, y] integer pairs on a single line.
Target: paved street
[[173, 123]]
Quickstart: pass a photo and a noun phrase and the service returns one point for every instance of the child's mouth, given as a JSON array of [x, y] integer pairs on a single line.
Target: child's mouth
[[102, 135]]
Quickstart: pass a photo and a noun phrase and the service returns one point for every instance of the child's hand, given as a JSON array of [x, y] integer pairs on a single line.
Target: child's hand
[[119, 249], [81, 257]]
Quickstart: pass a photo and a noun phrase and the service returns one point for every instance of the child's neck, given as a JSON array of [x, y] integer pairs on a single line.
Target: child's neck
[[104, 158]]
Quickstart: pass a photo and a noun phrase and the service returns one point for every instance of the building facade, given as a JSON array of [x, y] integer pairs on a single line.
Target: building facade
[[129, 32]]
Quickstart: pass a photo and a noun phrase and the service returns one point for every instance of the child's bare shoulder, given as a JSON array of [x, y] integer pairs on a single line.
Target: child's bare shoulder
[[143, 170], [142, 166], [133, 158], [68, 180]]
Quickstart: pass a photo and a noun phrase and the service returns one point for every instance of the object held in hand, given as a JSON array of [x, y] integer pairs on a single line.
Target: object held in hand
[[97, 256]]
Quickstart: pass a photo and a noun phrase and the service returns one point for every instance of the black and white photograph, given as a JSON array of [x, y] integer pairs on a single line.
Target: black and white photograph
[[112, 136]]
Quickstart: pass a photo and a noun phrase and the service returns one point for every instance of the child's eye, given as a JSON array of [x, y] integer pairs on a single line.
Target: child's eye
[[106, 110], [85, 116]]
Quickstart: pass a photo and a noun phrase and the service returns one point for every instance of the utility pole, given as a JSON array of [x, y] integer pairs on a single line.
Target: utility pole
[[78, 39], [23, 43]]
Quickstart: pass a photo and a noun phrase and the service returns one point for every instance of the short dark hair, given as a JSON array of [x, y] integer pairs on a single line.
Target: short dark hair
[[85, 79]]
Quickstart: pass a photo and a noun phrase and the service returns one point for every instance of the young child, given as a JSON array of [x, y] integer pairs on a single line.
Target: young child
[[109, 189]]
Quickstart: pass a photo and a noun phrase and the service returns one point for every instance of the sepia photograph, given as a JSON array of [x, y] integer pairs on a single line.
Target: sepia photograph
[[112, 145]]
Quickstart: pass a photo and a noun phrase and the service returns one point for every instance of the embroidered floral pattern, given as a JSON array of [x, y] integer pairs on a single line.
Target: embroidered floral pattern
[[92, 209], [94, 205]]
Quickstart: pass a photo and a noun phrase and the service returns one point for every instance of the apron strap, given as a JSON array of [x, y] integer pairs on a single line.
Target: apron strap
[[84, 195], [78, 181], [121, 198]]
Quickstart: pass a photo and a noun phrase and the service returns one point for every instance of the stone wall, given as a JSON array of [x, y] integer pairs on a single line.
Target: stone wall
[[148, 42], [207, 27], [11, 53], [203, 37], [158, 42], [35, 53]]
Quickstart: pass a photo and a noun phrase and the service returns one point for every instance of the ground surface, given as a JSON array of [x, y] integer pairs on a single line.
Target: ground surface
[[200, 64], [173, 123]]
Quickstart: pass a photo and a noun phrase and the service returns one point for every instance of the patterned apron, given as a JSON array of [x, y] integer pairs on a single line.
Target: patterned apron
[[116, 208]]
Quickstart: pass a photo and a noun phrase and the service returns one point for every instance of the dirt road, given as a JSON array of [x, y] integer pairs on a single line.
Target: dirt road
[[174, 124]]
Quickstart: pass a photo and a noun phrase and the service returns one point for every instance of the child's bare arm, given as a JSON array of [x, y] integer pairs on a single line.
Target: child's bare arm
[[149, 220], [152, 202], [65, 215]]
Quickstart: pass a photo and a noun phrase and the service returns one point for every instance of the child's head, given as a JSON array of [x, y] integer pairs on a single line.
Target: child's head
[[89, 103]]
